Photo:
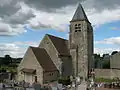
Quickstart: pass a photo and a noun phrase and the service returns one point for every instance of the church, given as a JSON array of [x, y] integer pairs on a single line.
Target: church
[[57, 57]]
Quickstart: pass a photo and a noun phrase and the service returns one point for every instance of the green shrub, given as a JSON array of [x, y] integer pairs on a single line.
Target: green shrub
[[64, 81]]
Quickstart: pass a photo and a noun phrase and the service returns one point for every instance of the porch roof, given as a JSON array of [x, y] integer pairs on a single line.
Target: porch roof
[[26, 70]]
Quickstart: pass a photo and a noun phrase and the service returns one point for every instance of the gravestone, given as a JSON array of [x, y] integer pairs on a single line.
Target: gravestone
[[37, 86], [82, 86], [59, 86], [54, 88], [1, 86]]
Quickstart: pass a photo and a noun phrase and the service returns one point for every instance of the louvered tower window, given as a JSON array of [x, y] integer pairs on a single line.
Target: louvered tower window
[[77, 27]]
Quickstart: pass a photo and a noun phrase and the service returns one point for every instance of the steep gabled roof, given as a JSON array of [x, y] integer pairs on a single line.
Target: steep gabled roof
[[60, 44], [79, 14], [44, 59]]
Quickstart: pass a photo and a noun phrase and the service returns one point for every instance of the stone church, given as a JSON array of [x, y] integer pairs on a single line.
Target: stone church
[[56, 57]]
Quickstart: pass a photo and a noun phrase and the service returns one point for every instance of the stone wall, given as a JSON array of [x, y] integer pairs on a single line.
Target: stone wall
[[29, 61], [81, 47], [115, 61], [115, 73], [50, 76], [66, 66], [107, 73], [59, 61], [103, 73], [47, 44], [90, 45]]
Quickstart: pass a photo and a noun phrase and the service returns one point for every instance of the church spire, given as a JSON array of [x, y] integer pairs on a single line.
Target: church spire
[[79, 14]]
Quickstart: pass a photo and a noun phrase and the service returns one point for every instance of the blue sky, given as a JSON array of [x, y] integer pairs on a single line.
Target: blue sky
[[27, 23], [107, 30]]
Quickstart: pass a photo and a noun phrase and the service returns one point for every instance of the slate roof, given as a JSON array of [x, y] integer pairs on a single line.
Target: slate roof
[[79, 14], [60, 44], [44, 59]]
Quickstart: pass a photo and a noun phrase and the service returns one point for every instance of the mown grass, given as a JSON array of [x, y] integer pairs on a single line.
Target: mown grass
[[106, 80]]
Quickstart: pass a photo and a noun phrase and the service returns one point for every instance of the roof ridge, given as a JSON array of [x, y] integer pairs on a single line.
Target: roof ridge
[[56, 37], [35, 47], [32, 47]]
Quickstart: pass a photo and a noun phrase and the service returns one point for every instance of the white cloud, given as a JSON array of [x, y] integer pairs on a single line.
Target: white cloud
[[108, 41], [16, 49], [112, 40], [14, 23], [27, 43], [115, 28], [4, 27], [105, 16], [21, 16], [59, 19], [16, 14], [7, 29], [102, 51], [11, 49]]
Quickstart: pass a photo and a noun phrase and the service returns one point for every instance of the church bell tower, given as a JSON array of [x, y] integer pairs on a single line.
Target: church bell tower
[[81, 43]]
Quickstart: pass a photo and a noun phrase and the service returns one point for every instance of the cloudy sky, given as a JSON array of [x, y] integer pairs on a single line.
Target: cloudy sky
[[24, 23]]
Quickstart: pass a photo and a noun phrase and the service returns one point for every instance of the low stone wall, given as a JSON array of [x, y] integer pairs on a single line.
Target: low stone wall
[[107, 73], [115, 73], [4, 76], [102, 73]]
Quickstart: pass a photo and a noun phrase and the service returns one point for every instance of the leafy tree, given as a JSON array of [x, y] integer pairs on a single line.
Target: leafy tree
[[64, 80], [7, 60], [106, 64], [96, 60], [114, 52], [1, 61], [96, 56], [104, 55]]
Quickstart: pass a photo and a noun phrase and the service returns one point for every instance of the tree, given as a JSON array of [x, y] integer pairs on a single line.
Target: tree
[[96, 60], [106, 64], [96, 56], [7, 60], [114, 52], [104, 55]]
